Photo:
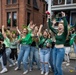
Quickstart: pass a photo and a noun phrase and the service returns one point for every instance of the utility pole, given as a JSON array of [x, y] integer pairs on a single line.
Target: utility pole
[[49, 6]]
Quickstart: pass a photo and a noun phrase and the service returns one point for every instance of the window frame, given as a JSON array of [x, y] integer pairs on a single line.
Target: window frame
[[59, 2], [28, 2], [8, 19], [15, 2], [8, 3], [11, 18]]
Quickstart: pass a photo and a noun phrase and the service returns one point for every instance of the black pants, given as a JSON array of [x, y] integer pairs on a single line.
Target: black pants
[[13, 54]]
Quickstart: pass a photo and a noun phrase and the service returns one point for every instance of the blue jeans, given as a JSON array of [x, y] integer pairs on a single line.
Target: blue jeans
[[23, 56], [51, 59], [34, 52], [8, 52], [58, 56], [1, 60], [44, 59]]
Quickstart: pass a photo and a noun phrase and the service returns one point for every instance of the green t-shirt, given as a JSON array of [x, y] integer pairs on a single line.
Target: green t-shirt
[[1, 36], [27, 39], [18, 37], [7, 42], [44, 41]]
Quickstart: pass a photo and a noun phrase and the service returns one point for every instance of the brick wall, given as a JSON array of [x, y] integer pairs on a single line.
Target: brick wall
[[0, 13], [21, 7]]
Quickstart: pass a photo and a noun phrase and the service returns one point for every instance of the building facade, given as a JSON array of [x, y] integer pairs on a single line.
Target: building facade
[[19, 12], [68, 6]]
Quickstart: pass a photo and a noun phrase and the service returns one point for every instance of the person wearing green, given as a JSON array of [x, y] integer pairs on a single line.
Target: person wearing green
[[44, 45], [60, 37], [73, 41], [67, 49], [34, 53], [25, 41], [7, 38], [14, 53]]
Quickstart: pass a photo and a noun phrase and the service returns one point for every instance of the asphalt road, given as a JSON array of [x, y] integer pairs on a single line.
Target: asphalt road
[[67, 70]]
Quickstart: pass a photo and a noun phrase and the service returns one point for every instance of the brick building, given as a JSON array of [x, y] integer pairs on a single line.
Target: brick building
[[68, 6], [19, 12]]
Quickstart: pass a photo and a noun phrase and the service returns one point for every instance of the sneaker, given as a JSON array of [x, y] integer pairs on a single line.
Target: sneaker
[[42, 72], [64, 62], [17, 69], [30, 69], [21, 63], [12, 65], [16, 62], [25, 72], [46, 73], [4, 70], [67, 64]]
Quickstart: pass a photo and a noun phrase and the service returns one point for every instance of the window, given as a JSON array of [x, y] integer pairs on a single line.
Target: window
[[14, 19], [69, 1], [8, 1], [74, 1], [43, 8], [28, 1], [8, 19], [59, 1], [35, 5], [28, 18], [14, 1]]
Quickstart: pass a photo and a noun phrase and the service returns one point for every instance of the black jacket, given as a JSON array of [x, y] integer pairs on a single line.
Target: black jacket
[[3, 53], [2, 49]]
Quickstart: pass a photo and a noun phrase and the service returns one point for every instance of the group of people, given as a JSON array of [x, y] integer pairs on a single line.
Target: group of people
[[34, 45]]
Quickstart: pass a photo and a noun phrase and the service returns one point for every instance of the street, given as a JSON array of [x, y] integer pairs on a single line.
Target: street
[[67, 70]]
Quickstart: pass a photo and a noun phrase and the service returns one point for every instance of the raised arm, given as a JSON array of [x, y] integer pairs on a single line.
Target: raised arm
[[50, 26], [65, 24], [3, 32], [18, 30], [40, 29]]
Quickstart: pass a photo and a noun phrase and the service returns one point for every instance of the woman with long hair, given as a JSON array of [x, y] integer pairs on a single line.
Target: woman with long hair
[[60, 37], [34, 47], [23, 55], [7, 39], [44, 45], [14, 46]]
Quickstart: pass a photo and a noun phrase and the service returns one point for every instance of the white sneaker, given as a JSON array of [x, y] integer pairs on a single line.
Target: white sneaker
[[21, 63], [30, 69], [16, 62], [12, 65], [46, 73], [64, 62], [4, 70], [67, 64], [16, 69], [42, 72], [25, 72]]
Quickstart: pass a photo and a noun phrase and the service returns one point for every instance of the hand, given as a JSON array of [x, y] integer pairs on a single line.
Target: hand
[[34, 25], [48, 45], [47, 12], [17, 27], [54, 21], [41, 25], [2, 26], [48, 16], [63, 14]]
